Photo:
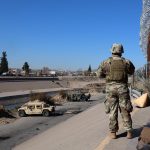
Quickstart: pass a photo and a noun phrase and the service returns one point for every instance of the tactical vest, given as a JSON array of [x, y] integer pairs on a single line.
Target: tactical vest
[[118, 71]]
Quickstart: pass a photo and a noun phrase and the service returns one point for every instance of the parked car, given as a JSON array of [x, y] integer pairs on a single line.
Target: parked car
[[36, 107]]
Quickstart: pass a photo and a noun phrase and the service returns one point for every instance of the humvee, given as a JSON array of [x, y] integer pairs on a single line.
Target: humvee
[[78, 97], [36, 107]]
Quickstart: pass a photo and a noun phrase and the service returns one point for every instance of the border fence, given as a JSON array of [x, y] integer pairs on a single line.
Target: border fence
[[145, 34]]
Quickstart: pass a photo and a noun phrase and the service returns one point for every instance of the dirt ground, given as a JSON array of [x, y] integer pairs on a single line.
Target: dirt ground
[[30, 85], [63, 82]]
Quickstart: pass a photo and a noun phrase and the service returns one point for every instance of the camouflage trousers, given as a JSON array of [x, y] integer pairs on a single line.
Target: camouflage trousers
[[118, 98]]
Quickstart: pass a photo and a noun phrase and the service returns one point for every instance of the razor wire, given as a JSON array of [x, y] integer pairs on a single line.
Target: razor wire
[[145, 26]]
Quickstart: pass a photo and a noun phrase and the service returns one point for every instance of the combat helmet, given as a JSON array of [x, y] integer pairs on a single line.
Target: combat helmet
[[117, 49]]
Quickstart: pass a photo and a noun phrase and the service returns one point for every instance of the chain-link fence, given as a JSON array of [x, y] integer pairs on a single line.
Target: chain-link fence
[[142, 78]]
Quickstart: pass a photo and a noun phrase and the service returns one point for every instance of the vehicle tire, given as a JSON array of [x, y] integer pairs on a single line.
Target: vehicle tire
[[46, 113], [89, 96], [22, 113], [86, 99], [53, 109]]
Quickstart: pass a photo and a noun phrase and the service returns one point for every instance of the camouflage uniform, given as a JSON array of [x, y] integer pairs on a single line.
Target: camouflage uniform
[[117, 93]]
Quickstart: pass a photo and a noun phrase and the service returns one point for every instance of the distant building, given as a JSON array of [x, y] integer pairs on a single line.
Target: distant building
[[52, 73], [15, 71]]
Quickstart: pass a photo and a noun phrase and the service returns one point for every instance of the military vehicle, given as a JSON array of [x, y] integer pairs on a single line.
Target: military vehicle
[[36, 107], [78, 97]]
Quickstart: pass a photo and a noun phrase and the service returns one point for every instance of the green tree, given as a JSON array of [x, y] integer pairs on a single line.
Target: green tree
[[26, 68], [89, 69], [88, 72], [3, 63]]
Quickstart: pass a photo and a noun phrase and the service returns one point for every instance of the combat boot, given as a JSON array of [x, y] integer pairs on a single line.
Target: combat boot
[[129, 135], [113, 135]]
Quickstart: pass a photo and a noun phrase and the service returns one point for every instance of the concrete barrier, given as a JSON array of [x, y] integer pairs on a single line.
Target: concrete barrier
[[28, 78]]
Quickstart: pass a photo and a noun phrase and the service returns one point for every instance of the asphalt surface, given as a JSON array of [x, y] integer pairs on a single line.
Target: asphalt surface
[[88, 131], [25, 128]]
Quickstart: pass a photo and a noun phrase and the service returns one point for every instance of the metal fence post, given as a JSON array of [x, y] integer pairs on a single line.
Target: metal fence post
[[148, 57]]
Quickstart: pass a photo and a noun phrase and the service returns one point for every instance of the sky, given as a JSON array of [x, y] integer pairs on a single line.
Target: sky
[[69, 34]]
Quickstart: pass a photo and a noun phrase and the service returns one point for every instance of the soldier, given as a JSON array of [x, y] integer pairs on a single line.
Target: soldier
[[116, 70]]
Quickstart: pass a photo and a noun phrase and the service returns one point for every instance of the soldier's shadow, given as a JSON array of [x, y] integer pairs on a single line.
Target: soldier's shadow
[[136, 133]]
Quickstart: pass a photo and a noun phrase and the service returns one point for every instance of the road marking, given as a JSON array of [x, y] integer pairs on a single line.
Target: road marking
[[107, 139]]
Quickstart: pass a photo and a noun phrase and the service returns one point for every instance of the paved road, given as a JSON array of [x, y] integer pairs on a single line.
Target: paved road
[[87, 131]]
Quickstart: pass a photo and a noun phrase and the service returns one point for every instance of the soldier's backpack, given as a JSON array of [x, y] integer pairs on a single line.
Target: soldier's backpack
[[118, 70], [144, 139]]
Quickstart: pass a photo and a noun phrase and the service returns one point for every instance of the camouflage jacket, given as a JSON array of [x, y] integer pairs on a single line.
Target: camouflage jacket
[[104, 68]]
